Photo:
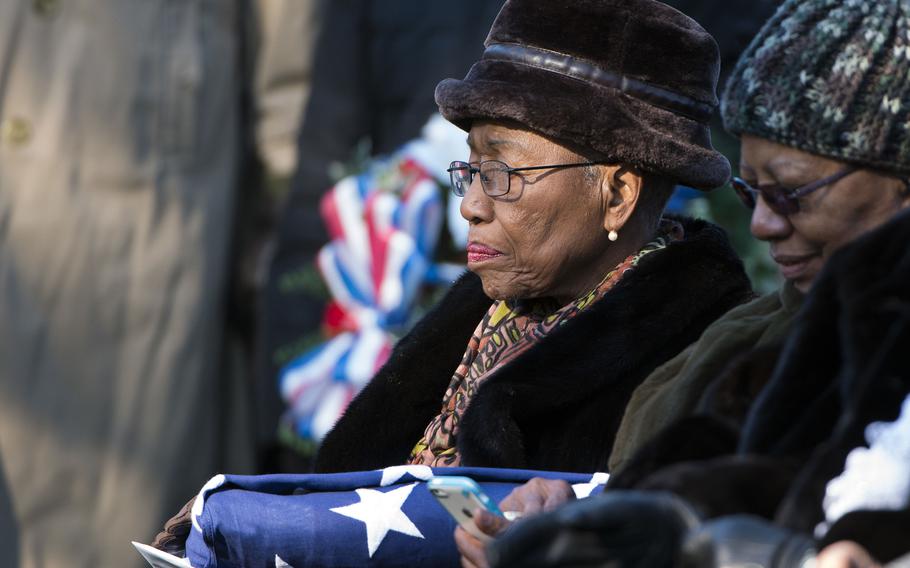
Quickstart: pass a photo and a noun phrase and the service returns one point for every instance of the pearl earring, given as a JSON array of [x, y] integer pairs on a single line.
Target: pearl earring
[[613, 236]]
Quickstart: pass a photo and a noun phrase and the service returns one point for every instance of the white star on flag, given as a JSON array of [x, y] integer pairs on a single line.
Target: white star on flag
[[381, 513], [583, 490], [279, 563], [394, 473]]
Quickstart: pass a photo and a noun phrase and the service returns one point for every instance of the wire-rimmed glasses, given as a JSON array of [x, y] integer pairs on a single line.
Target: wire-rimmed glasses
[[495, 176], [781, 200]]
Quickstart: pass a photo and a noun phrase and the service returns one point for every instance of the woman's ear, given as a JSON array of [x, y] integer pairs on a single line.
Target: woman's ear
[[621, 188]]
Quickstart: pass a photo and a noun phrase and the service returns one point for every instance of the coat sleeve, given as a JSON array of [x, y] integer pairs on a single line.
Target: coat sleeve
[[384, 422], [882, 533]]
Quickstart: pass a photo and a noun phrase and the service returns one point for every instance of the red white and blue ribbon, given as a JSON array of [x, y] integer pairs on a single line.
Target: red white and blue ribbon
[[384, 225]]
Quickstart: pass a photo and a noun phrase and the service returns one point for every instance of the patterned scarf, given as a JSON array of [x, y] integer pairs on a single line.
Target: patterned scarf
[[505, 332]]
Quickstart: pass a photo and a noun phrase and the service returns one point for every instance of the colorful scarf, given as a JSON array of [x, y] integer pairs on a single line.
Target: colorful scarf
[[506, 331]]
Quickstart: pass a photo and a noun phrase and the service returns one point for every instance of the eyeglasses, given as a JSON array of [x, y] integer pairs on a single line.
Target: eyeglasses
[[781, 200], [495, 176]]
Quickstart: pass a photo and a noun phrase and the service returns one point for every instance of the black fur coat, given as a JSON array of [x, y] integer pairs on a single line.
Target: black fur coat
[[845, 364], [557, 406]]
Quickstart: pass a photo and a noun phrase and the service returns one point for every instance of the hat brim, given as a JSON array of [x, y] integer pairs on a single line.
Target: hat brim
[[621, 128]]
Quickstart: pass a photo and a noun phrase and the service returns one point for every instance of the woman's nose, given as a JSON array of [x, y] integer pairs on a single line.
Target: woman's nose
[[767, 224], [476, 207]]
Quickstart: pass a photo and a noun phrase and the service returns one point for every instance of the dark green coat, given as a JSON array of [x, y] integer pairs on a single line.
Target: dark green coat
[[674, 389]]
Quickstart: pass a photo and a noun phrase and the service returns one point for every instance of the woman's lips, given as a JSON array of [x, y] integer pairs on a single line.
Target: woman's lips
[[478, 252], [793, 266]]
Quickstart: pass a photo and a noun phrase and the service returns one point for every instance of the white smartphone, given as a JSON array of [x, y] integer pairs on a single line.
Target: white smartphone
[[461, 496]]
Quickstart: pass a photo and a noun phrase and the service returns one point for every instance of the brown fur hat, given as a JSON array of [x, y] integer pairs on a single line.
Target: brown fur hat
[[633, 80]]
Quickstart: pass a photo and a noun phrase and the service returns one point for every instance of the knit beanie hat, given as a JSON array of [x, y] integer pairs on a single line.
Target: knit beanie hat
[[831, 77], [632, 80]]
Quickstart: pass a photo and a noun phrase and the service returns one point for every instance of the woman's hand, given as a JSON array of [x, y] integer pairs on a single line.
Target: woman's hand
[[172, 538], [536, 496], [473, 554], [844, 554]]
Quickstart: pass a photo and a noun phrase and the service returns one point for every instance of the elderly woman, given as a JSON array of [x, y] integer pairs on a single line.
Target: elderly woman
[[823, 117], [578, 286], [820, 103]]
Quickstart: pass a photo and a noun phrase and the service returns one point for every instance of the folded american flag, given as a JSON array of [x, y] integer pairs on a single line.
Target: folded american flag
[[384, 518]]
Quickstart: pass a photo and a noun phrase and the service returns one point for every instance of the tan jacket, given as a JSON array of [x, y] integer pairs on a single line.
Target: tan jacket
[[119, 150]]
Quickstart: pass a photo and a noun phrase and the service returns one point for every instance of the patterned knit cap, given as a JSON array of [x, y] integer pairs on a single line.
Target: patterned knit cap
[[831, 77]]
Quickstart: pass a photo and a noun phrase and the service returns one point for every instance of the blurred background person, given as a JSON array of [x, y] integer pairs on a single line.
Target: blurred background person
[[287, 32], [128, 178]]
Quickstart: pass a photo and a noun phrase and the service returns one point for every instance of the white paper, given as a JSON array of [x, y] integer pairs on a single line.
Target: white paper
[[159, 559]]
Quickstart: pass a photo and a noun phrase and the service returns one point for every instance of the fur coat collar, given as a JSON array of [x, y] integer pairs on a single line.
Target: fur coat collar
[[557, 406]]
